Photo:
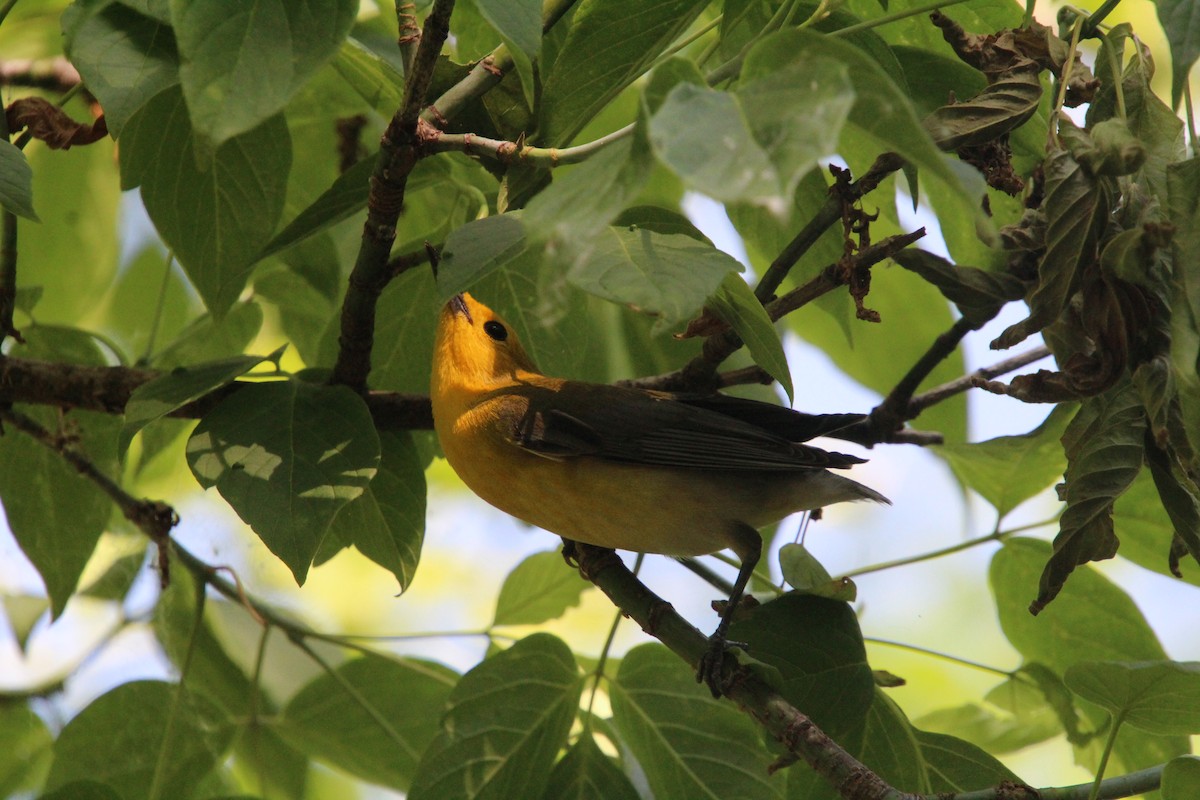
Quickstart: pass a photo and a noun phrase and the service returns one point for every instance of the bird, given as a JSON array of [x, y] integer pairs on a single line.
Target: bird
[[679, 474]]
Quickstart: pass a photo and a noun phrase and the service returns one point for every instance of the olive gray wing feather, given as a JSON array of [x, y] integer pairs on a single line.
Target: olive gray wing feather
[[638, 427]]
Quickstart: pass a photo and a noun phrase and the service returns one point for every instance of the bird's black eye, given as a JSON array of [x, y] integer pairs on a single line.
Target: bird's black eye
[[495, 330]]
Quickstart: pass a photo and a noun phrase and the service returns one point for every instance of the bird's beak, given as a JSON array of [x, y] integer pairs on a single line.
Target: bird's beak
[[458, 305]]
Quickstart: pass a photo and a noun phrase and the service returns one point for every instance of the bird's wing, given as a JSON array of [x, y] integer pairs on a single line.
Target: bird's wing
[[563, 420]]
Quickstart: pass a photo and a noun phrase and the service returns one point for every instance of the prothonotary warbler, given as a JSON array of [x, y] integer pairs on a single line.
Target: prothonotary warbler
[[624, 468]]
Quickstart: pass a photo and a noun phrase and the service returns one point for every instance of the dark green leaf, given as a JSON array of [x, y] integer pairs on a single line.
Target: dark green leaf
[[304, 312], [1179, 497], [1008, 470], [1145, 530], [242, 63], [585, 773], [287, 456], [1183, 209], [82, 790], [1181, 778], [16, 182], [806, 575], [1153, 696], [217, 218], [670, 275], [735, 303], [1181, 21], [539, 589], [378, 727], [347, 196], [177, 388], [1104, 446], [998, 110], [387, 522], [659, 220], [206, 339], [124, 56], [505, 722], [1077, 207], [978, 294], [817, 646], [687, 743], [406, 318], [119, 739], [608, 45]]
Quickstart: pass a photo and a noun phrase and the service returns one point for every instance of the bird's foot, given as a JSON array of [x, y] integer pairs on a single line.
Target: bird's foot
[[570, 552], [711, 670]]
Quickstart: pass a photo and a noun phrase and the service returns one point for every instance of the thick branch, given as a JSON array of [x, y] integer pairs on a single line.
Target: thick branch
[[398, 153], [107, 389]]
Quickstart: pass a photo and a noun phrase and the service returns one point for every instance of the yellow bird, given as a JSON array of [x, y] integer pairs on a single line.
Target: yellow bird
[[623, 468]]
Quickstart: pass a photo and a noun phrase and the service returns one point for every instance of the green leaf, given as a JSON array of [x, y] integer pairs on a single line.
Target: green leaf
[[806, 575], [371, 75], [25, 749], [387, 521], [346, 197], [505, 722], [206, 339], [609, 44], [82, 790], [124, 57], [669, 275], [1146, 530], [406, 318], [1154, 696], [978, 294], [177, 388], [1008, 470], [687, 743], [1180, 20], [1183, 209], [582, 203], [119, 576], [55, 514], [373, 718], [215, 218], [1179, 497], [992, 731], [242, 63], [1104, 446], [735, 303], [704, 136], [23, 612], [16, 182], [816, 645], [287, 456], [957, 766], [519, 23], [796, 110], [119, 738], [585, 773], [1181, 778], [1077, 207], [539, 589], [477, 249]]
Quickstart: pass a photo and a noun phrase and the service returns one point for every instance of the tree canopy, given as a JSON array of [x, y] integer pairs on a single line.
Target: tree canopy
[[228, 229]]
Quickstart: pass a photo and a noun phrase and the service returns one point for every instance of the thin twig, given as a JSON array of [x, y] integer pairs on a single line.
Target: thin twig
[[937, 394], [890, 415], [153, 517], [507, 152]]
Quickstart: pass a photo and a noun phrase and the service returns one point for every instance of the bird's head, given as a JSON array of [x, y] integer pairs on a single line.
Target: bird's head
[[475, 346]]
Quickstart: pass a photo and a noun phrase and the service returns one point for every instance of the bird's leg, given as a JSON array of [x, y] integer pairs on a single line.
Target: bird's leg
[[748, 545], [570, 552]]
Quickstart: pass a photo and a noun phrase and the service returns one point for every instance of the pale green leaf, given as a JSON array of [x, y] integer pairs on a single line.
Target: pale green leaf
[[25, 749], [1181, 778], [804, 573], [371, 75], [586, 773], [957, 766], [287, 456], [1154, 696], [539, 589]]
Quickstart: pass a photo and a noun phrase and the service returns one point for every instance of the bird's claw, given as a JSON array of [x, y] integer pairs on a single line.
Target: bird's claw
[[711, 670]]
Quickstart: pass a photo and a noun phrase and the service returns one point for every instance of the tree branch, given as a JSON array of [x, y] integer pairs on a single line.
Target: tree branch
[[517, 152], [937, 394], [107, 389], [398, 154]]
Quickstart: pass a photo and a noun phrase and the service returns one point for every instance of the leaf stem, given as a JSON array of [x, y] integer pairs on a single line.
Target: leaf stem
[[513, 152], [254, 721], [4, 9], [1064, 80], [895, 16], [598, 673], [1191, 117], [165, 751], [1115, 67], [158, 310], [1108, 748], [938, 654]]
